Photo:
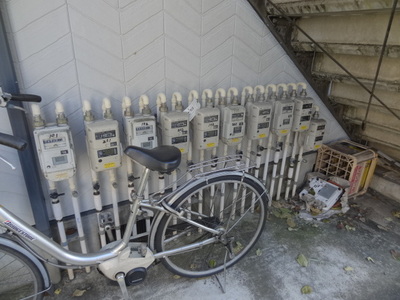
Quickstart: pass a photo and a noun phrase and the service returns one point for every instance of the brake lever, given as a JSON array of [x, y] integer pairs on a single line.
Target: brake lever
[[4, 101]]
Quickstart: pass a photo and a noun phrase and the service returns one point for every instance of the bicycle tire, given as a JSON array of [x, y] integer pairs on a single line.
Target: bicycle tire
[[240, 238], [19, 277]]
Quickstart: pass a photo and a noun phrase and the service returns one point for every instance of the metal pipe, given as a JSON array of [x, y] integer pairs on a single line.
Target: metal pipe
[[378, 68]]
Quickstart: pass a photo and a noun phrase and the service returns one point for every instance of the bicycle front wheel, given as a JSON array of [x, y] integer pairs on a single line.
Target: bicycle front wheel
[[234, 204], [19, 277]]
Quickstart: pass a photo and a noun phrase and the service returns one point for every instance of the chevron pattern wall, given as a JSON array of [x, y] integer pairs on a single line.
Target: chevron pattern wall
[[71, 50]]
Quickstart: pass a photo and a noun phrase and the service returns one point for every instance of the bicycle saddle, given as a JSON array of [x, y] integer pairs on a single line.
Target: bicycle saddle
[[163, 159]]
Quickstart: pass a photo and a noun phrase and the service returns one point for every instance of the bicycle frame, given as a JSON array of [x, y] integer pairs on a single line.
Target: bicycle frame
[[41, 241]]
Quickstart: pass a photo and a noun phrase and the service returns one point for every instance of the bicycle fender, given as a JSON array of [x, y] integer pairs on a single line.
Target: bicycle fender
[[42, 269]]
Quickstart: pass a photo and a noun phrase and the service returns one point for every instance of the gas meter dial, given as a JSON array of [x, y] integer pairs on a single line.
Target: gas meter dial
[[103, 144], [206, 128], [232, 124], [175, 130], [141, 131], [259, 115], [302, 114], [56, 152], [315, 135], [283, 117]]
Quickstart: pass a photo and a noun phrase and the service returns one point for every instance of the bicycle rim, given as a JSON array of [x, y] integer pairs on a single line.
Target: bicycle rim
[[19, 277], [233, 203]]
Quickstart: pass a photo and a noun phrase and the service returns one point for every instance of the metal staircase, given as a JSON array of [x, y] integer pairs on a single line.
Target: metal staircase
[[350, 52]]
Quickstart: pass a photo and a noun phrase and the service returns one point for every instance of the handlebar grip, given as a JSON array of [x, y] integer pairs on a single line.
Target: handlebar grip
[[12, 141], [26, 98]]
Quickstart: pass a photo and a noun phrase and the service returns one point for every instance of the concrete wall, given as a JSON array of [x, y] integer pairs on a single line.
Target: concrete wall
[[71, 50]]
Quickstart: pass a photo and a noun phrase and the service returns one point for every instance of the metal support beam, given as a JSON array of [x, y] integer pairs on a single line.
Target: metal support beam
[[19, 124]]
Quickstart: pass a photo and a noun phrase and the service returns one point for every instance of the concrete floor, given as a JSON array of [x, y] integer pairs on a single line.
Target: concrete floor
[[349, 258]]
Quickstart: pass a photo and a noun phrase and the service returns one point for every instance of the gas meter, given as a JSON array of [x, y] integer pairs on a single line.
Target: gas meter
[[315, 135], [283, 117], [175, 130], [56, 152], [103, 144], [259, 116], [141, 131], [232, 124], [303, 108], [206, 128]]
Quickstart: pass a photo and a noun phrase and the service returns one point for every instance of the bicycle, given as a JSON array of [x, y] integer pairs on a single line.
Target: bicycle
[[193, 233]]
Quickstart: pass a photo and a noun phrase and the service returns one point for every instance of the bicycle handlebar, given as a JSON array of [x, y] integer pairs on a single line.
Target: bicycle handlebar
[[12, 141], [26, 98]]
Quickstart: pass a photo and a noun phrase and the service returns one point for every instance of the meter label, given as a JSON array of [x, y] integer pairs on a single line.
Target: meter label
[[105, 135], [210, 119], [144, 130], [265, 112], [179, 124]]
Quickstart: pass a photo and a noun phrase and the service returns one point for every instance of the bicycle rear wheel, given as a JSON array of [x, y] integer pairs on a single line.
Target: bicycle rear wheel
[[235, 204], [19, 277]]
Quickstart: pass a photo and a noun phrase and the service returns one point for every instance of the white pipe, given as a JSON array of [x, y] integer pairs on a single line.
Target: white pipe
[[259, 91], [173, 104], [98, 206], [126, 106], [193, 95], [114, 199], [273, 87], [291, 165], [178, 97], [220, 94], [161, 101], [275, 166], [58, 215], [283, 165], [35, 109], [246, 92], [207, 94], [303, 85], [298, 167], [59, 108], [86, 106], [189, 176], [106, 106], [284, 90], [293, 86], [267, 156], [78, 220], [233, 95]]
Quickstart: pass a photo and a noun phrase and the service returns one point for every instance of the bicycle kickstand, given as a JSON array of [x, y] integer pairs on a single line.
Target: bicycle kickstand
[[121, 281], [222, 286]]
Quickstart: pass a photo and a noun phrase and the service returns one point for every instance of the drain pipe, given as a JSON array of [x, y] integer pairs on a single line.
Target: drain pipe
[[88, 118], [300, 144], [220, 98], [285, 147], [112, 174], [63, 121], [293, 95], [163, 109], [271, 97]]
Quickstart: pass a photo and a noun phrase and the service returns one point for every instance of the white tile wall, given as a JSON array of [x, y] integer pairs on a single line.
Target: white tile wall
[[71, 50]]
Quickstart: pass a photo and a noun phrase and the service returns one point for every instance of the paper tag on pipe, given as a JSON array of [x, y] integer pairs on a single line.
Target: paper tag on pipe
[[192, 108]]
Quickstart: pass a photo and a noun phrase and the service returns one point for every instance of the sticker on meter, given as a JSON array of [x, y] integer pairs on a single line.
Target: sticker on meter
[[192, 109]]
